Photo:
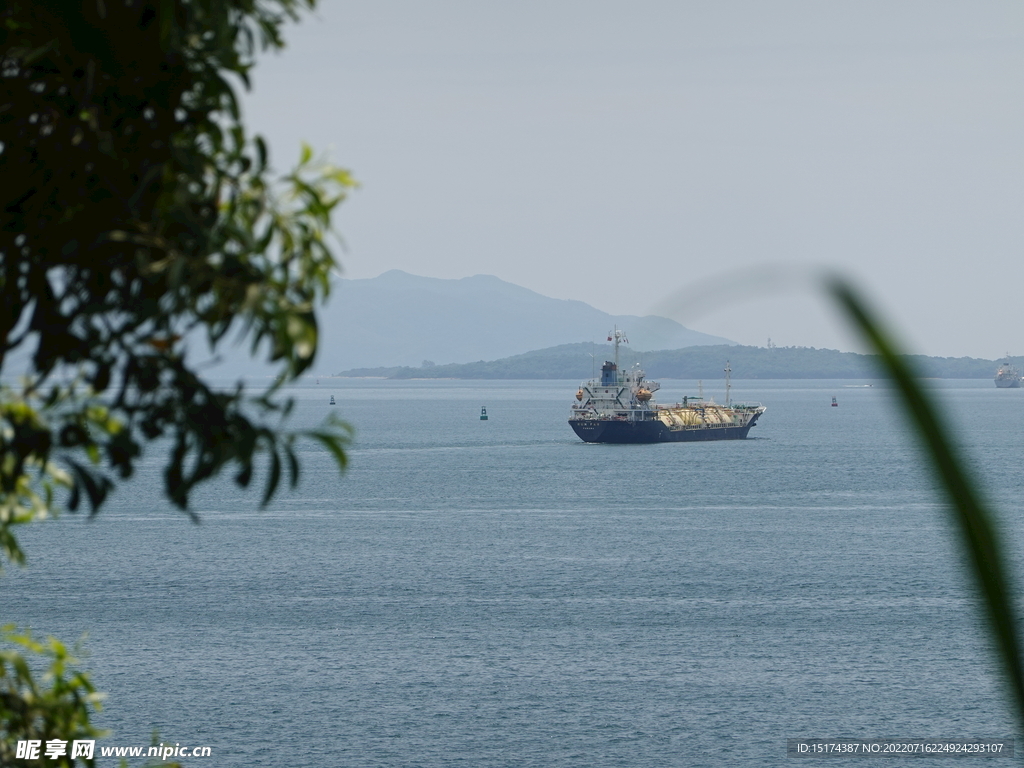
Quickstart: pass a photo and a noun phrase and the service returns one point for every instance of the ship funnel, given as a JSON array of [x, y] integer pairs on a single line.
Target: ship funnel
[[609, 374]]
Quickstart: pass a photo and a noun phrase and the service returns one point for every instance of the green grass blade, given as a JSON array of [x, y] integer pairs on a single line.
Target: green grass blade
[[975, 524]]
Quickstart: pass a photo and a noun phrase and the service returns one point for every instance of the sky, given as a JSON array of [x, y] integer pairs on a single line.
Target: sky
[[702, 161]]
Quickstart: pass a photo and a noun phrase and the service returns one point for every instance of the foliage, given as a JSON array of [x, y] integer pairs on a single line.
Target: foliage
[[59, 709], [138, 215], [970, 514], [140, 220], [56, 707]]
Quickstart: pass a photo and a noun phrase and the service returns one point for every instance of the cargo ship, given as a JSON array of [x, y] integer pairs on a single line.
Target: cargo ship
[[1007, 377], [619, 408]]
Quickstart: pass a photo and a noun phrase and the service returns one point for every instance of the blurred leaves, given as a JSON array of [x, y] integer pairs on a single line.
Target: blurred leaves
[[57, 704], [970, 514], [138, 215]]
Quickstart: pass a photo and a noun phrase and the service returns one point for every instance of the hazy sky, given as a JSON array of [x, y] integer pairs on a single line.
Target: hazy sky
[[619, 153]]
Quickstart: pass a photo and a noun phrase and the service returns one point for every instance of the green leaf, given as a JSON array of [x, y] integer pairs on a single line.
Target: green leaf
[[334, 441], [970, 514], [274, 479]]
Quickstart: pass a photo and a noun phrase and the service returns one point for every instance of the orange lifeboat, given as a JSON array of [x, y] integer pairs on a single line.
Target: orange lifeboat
[[579, 394], [643, 395]]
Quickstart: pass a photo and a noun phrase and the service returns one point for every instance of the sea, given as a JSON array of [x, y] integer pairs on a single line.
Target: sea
[[498, 593]]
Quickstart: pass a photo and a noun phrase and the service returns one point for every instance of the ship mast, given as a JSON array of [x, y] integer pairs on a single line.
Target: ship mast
[[728, 382], [619, 337]]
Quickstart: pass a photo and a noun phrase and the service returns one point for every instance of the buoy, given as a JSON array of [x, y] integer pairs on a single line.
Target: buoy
[[483, 414], [332, 400], [834, 403]]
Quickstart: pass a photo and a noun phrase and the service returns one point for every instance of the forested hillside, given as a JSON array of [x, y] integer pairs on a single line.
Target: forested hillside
[[579, 361]]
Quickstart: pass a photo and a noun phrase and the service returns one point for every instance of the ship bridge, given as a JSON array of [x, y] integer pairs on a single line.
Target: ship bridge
[[617, 394]]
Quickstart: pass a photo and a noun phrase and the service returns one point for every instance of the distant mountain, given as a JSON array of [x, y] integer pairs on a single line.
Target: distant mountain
[[401, 319], [574, 361]]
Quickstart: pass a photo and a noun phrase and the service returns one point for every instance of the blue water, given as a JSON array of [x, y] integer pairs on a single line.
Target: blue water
[[501, 594]]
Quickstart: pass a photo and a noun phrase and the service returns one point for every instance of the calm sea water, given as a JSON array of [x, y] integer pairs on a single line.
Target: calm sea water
[[501, 594]]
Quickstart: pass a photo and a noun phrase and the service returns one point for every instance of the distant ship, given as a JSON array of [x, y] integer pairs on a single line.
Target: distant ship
[[1007, 377], [619, 408]]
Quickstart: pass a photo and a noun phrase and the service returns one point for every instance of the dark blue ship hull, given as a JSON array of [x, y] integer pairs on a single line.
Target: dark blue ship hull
[[653, 431]]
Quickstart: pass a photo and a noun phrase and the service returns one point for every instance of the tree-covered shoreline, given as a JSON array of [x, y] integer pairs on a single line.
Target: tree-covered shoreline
[[581, 360]]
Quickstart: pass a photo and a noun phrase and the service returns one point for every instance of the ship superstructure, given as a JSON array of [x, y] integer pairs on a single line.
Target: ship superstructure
[[619, 407], [1007, 377]]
